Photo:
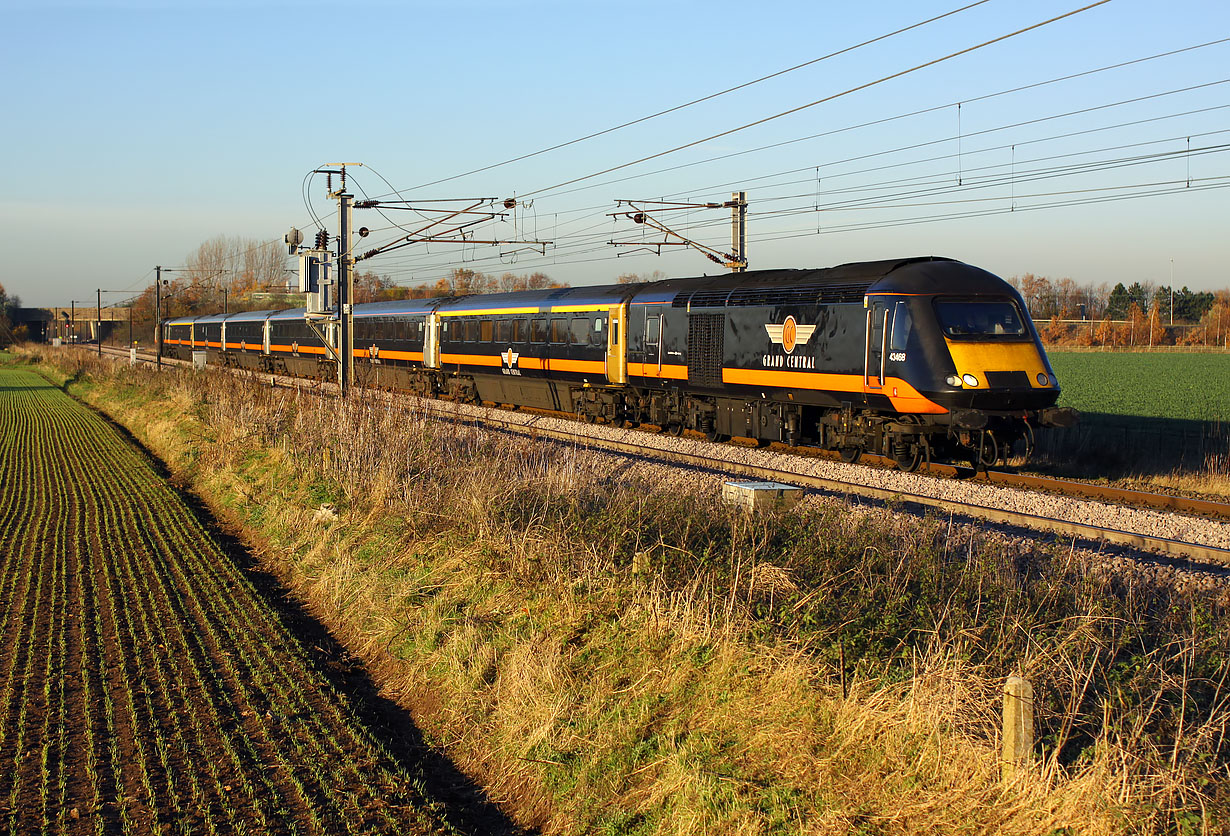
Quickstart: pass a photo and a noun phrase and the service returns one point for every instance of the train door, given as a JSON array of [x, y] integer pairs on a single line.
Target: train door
[[653, 343], [431, 342], [616, 344], [879, 313]]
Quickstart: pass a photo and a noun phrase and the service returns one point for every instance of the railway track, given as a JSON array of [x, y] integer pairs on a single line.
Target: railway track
[[1204, 535]]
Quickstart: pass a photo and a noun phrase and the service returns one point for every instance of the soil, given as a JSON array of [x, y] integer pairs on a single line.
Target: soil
[[152, 680]]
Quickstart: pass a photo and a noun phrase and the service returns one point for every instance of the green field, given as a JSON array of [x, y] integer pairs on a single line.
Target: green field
[[1194, 387], [146, 684]]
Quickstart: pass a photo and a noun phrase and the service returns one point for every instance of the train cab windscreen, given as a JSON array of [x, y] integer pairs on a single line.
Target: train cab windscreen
[[981, 320]]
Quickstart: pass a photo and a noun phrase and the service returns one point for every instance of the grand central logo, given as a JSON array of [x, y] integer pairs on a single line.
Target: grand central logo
[[789, 335]]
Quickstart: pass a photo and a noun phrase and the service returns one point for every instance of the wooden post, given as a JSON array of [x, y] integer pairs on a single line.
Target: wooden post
[[1018, 727]]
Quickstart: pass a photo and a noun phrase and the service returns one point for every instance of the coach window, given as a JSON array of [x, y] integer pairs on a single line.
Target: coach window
[[486, 331], [595, 336], [472, 330], [652, 326], [519, 331], [559, 330], [580, 330], [901, 326], [503, 330], [538, 331]]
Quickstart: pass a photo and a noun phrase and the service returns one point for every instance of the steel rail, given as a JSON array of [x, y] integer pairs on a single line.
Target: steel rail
[[1194, 552]]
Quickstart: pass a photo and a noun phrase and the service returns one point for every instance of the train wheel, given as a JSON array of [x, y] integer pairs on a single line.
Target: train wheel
[[910, 459], [674, 429], [717, 437], [850, 455]]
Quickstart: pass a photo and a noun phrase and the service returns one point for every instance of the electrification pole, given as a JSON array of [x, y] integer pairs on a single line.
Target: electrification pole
[[158, 316], [98, 319], [738, 230], [345, 288]]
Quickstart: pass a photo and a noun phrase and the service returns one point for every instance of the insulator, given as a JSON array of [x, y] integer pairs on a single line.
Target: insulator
[[638, 218], [510, 202]]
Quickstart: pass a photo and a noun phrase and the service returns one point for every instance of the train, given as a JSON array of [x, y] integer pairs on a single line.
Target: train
[[915, 359]]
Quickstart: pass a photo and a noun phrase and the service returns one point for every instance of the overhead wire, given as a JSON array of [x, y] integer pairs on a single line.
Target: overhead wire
[[1070, 76], [581, 250], [825, 99], [709, 97], [873, 186]]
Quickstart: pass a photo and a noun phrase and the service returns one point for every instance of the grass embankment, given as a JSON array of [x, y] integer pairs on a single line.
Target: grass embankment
[[821, 670]]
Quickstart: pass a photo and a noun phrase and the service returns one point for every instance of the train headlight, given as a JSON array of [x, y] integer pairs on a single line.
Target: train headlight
[[969, 380], [1043, 380], [952, 380]]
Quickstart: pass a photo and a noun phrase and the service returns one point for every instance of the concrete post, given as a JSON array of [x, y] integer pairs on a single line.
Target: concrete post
[[1018, 727]]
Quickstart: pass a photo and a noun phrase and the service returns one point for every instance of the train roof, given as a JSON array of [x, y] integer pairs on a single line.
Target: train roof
[[250, 316], [759, 286], [210, 318], [543, 300], [943, 277], [846, 283], [289, 313], [399, 306]]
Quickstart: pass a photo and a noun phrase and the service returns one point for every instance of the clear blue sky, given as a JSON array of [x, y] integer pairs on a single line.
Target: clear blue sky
[[136, 130]]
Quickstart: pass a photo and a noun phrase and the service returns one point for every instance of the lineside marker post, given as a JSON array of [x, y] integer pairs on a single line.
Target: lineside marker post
[[1018, 727]]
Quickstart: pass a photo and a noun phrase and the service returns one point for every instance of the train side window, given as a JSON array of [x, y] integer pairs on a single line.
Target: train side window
[[485, 331], [519, 331], [503, 330], [595, 335], [901, 327], [472, 330], [538, 331], [559, 330], [580, 330], [653, 326]]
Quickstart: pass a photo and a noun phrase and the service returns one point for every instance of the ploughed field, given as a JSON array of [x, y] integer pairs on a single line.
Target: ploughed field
[[145, 684]]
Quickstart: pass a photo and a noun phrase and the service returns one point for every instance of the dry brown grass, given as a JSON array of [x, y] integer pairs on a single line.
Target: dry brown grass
[[589, 700]]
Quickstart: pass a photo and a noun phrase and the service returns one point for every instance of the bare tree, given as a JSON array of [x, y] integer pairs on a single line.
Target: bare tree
[[640, 278]]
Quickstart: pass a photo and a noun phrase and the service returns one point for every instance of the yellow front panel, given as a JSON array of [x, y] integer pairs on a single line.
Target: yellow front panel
[[979, 358]]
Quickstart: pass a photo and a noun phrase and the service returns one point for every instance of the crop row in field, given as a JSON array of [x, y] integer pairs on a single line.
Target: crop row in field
[[145, 684], [1193, 387]]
